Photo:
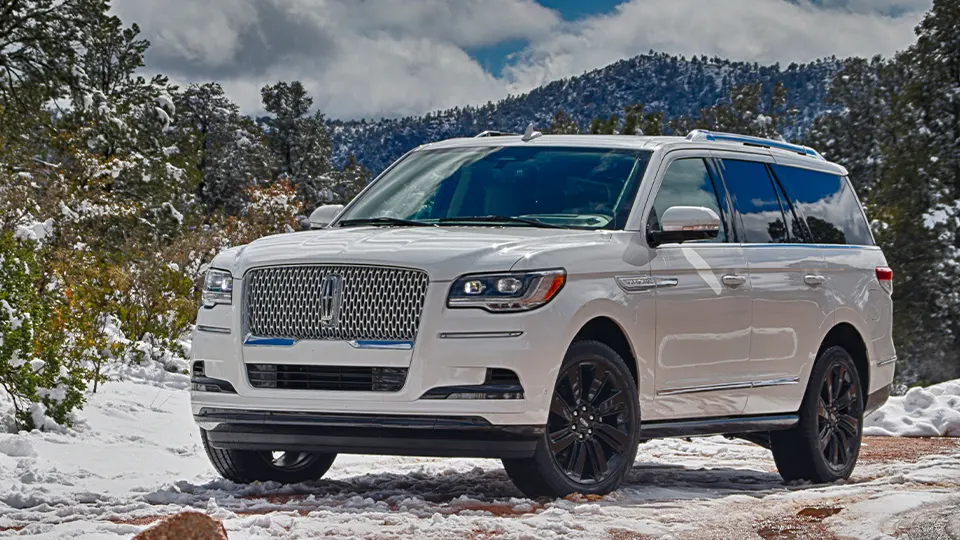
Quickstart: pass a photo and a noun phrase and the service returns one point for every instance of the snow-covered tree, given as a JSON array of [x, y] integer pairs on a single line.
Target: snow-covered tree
[[562, 124], [227, 148], [748, 110], [300, 141]]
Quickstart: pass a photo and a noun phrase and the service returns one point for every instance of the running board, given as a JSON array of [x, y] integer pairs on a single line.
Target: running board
[[717, 426]]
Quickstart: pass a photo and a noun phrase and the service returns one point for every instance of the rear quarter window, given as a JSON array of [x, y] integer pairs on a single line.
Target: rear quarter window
[[828, 205]]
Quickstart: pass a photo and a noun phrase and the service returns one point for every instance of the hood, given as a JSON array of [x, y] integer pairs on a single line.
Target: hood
[[444, 253]]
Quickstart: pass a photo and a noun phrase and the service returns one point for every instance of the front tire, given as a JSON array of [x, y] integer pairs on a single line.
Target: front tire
[[823, 447], [246, 466], [592, 432]]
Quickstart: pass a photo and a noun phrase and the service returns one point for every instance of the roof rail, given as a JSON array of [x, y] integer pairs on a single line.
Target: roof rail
[[715, 136], [492, 133]]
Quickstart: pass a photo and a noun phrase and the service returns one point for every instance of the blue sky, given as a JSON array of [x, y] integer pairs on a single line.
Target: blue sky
[[389, 58], [494, 57]]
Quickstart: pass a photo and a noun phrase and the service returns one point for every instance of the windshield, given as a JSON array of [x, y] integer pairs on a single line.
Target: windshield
[[510, 186]]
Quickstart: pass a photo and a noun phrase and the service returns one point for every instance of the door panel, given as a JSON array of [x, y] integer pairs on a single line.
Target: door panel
[[789, 315], [703, 303], [703, 331]]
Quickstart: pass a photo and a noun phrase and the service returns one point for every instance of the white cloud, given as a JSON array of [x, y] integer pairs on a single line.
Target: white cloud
[[395, 57], [764, 31]]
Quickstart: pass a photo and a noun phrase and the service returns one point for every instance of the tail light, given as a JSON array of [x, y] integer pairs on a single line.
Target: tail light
[[885, 277]]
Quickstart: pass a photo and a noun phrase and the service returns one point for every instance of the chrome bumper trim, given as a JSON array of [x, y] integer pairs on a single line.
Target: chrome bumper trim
[[212, 329], [479, 335], [375, 344]]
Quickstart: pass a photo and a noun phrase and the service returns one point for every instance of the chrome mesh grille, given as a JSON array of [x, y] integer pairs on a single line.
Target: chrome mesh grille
[[377, 303]]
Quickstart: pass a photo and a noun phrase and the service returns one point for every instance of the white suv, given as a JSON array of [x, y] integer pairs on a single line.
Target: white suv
[[553, 301]]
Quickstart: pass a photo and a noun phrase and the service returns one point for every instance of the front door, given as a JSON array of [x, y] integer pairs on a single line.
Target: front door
[[703, 303]]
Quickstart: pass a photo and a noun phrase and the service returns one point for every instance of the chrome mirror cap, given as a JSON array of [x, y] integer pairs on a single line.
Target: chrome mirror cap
[[324, 215], [690, 218]]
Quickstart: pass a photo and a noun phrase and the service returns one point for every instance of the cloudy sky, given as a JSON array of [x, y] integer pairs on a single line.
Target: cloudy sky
[[373, 58]]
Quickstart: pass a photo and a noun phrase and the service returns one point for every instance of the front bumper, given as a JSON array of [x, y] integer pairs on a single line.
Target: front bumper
[[448, 436], [454, 349]]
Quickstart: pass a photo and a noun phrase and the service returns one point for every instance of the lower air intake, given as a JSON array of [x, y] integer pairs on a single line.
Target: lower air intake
[[326, 378]]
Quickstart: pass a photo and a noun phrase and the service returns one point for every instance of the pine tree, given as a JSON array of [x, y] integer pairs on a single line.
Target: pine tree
[[38, 39], [635, 122], [748, 110], [935, 94], [227, 149], [299, 141], [349, 181], [563, 124]]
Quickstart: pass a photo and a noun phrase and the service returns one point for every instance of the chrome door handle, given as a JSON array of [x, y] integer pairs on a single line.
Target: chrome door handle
[[733, 281], [814, 280]]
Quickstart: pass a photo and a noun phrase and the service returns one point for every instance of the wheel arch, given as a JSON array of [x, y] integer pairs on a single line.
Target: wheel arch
[[846, 335], [608, 331]]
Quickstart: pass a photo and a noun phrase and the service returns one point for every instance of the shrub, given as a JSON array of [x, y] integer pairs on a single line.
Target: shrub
[[39, 361]]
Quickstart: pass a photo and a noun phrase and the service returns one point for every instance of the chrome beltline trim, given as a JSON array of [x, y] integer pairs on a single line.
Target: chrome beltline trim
[[727, 386], [886, 361]]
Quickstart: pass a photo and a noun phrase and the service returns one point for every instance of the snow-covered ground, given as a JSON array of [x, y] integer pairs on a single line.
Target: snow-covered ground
[[923, 412], [136, 456]]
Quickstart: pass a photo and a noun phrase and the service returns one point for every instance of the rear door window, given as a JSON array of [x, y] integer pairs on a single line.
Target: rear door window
[[755, 199], [828, 205]]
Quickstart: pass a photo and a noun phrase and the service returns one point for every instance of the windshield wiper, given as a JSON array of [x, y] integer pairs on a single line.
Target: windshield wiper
[[383, 220], [501, 219]]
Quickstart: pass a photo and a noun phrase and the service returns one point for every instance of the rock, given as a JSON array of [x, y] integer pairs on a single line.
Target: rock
[[185, 526]]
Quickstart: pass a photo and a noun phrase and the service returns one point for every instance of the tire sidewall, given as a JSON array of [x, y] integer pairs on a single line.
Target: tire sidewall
[[548, 468], [808, 414]]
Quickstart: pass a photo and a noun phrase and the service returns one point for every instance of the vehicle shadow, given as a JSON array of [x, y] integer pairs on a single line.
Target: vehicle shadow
[[448, 492]]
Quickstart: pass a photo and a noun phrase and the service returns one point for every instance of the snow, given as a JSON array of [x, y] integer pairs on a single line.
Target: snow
[[923, 412], [36, 231], [135, 455]]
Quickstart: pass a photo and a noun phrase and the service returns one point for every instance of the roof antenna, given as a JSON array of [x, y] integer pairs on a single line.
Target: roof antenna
[[530, 134]]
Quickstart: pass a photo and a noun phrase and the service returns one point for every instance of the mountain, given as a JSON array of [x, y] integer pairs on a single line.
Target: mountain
[[674, 85]]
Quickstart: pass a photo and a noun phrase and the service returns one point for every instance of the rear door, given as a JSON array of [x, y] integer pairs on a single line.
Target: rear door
[[703, 302], [787, 275]]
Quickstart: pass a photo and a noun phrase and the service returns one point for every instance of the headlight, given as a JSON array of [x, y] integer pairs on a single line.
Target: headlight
[[217, 288], [512, 291]]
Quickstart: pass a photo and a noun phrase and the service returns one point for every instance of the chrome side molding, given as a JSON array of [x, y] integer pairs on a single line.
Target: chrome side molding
[[886, 361], [727, 386]]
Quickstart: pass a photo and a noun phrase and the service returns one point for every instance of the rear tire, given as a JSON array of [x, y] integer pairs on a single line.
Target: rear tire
[[246, 466], [592, 432], [823, 447]]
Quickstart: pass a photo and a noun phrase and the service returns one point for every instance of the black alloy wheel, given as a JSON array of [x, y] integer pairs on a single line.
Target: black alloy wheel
[[825, 444], [592, 431], [589, 424], [838, 417]]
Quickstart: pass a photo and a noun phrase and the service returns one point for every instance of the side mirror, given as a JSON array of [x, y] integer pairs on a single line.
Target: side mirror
[[685, 223], [324, 215]]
